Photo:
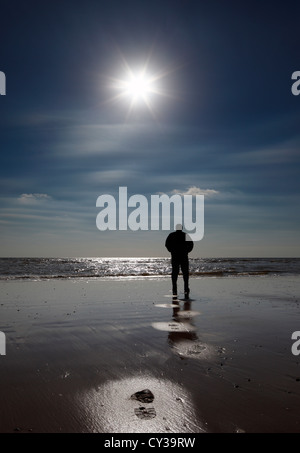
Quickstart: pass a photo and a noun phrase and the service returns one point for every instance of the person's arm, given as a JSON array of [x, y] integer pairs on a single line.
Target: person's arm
[[168, 244], [189, 244]]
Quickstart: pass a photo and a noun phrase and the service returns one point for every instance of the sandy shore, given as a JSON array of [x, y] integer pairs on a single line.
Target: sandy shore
[[77, 350]]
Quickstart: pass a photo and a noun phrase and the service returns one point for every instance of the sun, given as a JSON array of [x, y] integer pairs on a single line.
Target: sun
[[138, 87]]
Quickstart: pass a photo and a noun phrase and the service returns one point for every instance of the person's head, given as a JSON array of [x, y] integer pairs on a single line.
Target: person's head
[[178, 227]]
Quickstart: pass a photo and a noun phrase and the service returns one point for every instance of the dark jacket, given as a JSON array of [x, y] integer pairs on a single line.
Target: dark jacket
[[177, 244]]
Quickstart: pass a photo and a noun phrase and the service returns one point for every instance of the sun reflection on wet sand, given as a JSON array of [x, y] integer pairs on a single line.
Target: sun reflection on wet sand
[[111, 409], [182, 335]]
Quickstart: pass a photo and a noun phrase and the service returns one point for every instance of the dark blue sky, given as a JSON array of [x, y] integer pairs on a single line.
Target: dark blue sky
[[226, 124]]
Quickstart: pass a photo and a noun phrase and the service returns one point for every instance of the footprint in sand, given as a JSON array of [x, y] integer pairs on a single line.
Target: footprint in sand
[[146, 397], [145, 413]]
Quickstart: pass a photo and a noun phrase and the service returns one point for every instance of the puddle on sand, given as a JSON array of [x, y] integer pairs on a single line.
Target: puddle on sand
[[110, 408]]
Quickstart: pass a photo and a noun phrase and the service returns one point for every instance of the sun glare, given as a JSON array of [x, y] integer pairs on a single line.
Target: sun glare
[[138, 87]]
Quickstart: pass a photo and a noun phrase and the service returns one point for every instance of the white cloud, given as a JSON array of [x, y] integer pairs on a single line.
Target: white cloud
[[193, 190], [33, 198]]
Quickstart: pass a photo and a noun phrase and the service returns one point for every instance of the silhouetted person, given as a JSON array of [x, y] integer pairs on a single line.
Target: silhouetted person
[[179, 248]]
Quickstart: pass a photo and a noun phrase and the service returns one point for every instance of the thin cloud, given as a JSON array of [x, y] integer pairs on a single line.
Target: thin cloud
[[193, 190], [33, 198]]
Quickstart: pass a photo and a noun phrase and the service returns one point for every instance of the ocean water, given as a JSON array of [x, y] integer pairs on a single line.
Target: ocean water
[[69, 268]]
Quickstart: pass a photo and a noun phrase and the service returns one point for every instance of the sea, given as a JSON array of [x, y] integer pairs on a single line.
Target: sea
[[95, 268]]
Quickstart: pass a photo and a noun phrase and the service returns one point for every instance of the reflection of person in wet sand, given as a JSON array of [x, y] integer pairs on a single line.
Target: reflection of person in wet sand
[[185, 333], [179, 246]]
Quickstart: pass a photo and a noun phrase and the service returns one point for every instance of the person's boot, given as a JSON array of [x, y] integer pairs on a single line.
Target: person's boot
[[186, 293]]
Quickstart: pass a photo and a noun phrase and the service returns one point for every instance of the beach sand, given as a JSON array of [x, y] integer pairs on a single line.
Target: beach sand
[[77, 350]]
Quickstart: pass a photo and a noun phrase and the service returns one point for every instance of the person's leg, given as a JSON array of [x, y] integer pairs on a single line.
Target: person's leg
[[175, 272], [185, 273]]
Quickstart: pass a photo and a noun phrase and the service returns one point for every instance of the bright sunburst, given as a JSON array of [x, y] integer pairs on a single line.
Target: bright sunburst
[[138, 87]]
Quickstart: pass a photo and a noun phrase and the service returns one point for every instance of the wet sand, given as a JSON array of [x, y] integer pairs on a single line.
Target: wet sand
[[77, 350]]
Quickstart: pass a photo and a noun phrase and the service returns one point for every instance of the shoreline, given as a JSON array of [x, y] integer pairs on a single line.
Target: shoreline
[[76, 351]]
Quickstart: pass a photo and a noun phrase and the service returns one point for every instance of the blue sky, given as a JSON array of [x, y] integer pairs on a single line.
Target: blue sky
[[224, 122]]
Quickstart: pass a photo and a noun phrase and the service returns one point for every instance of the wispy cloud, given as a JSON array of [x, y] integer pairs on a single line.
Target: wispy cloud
[[193, 190], [33, 198]]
